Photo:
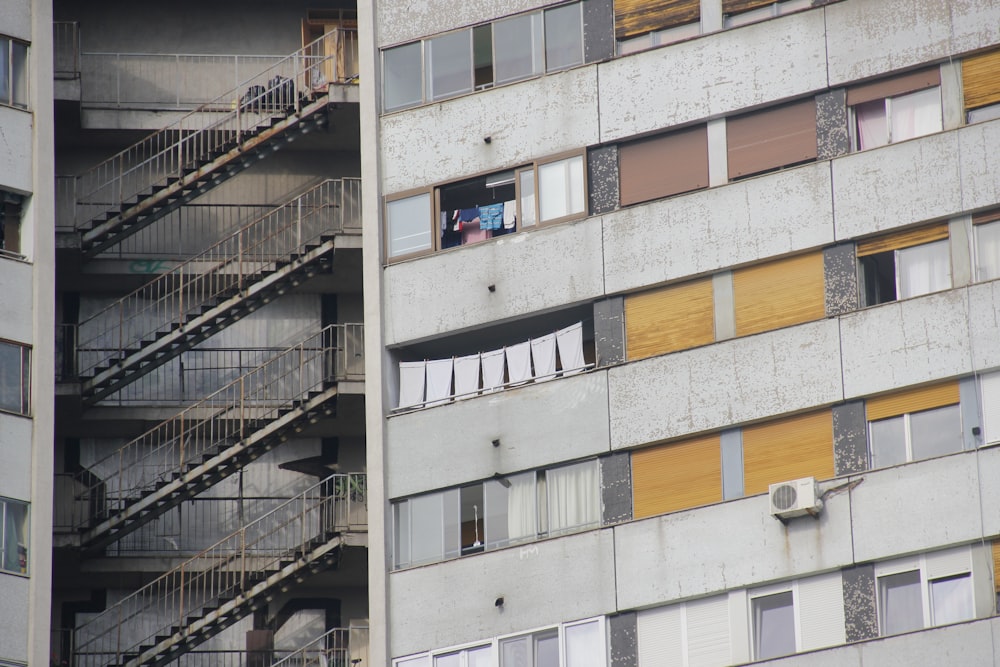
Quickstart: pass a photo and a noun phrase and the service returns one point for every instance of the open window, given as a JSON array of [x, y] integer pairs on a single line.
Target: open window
[[15, 378], [10, 223], [904, 265], [895, 109], [915, 424]]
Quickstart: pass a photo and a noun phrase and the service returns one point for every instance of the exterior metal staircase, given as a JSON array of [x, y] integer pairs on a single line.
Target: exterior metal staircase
[[226, 582], [208, 441], [180, 308], [172, 166]]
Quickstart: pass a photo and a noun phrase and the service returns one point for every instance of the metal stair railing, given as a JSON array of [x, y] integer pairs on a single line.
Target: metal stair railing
[[221, 271], [221, 580], [213, 128], [224, 419], [331, 649]]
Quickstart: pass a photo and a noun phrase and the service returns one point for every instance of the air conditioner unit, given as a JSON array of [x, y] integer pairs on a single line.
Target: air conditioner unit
[[795, 498]]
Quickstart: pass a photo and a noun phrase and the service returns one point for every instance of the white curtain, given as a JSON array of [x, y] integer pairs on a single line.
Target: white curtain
[[521, 503], [411, 383], [990, 384], [467, 376], [570, 342], [916, 114], [519, 363], [492, 370], [988, 250], [584, 645], [573, 493], [439, 381], [924, 269], [873, 131], [543, 356]]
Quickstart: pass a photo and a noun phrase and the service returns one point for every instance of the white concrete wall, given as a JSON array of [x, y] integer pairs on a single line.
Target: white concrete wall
[[16, 19], [396, 23], [16, 156], [14, 625], [534, 581], [561, 420], [16, 285], [15, 473]]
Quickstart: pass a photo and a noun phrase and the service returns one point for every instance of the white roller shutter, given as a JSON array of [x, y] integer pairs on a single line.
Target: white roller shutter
[[991, 407], [947, 562], [708, 640], [821, 611], [660, 636]]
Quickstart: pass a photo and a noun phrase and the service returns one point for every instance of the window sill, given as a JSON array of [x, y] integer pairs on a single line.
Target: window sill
[[17, 257]]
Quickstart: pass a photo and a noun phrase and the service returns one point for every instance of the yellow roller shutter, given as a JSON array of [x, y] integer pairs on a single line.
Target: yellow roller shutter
[[981, 79], [790, 448], [996, 565], [636, 17], [668, 319], [778, 294], [737, 6], [909, 238], [911, 400], [676, 476]]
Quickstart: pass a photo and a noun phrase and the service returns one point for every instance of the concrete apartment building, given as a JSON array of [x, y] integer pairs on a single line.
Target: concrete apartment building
[[742, 243]]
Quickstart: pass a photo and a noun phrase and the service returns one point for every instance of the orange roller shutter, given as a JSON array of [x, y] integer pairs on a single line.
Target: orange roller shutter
[[897, 85], [981, 79], [663, 165], [996, 565], [912, 400], [772, 138], [737, 6], [672, 318], [787, 449], [636, 17], [779, 294], [906, 239], [676, 476]]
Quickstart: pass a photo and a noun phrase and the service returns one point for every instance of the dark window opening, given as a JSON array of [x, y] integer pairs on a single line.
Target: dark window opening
[[477, 209], [878, 276]]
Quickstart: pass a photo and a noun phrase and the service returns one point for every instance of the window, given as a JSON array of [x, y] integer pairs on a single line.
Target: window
[[900, 108], [480, 656], [990, 402], [904, 265], [10, 223], [900, 606], [14, 540], [503, 51], [642, 24], [915, 424], [664, 165], [770, 139], [488, 206], [13, 73], [981, 86], [15, 378], [496, 513], [925, 591], [987, 234], [743, 12], [773, 625]]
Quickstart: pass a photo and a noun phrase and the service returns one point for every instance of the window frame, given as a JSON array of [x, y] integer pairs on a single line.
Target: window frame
[[387, 240], [919, 564], [854, 130], [5, 502], [769, 591], [24, 386], [7, 95], [867, 263], [990, 221], [907, 435]]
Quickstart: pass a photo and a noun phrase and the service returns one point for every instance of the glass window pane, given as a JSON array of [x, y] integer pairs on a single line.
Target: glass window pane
[[574, 496], [527, 208], [452, 527], [19, 74], [584, 647], [547, 649], [449, 660], [402, 71], [496, 514], [900, 603], [871, 125], [522, 512], [936, 432], [409, 224], [923, 269], [478, 657], [773, 625], [482, 55], [951, 600], [563, 37], [401, 533], [560, 186], [988, 250], [15, 537], [420, 661], [472, 519], [427, 528], [518, 47], [915, 114], [4, 70], [888, 442], [514, 652], [11, 378], [449, 65]]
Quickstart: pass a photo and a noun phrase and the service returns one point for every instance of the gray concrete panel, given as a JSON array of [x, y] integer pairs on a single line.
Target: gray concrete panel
[[896, 185], [724, 384], [860, 609], [624, 640], [916, 507], [703, 551], [15, 325], [731, 451], [850, 438], [968, 392], [989, 471], [984, 323], [724, 302], [961, 644], [974, 24], [397, 23], [14, 629], [15, 473], [718, 228], [714, 75], [537, 425], [906, 342], [525, 121], [531, 271], [598, 30], [979, 165], [16, 157], [832, 137], [961, 249], [842, 656], [840, 273], [602, 175], [609, 331], [16, 19], [532, 579], [616, 488]]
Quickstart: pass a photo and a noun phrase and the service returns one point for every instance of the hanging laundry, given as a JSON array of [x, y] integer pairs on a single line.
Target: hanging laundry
[[439, 381], [543, 356], [467, 376], [570, 342], [411, 383], [509, 214], [491, 216], [492, 369], [519, 363]]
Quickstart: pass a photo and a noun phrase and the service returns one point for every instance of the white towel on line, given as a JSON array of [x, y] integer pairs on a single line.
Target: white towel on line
[[519, 363], [411, 383], [543, 356], [570, 342], [492, 363], [467, 376], [439, 381]]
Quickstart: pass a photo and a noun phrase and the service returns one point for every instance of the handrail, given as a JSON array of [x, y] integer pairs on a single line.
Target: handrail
[[212, 128], [222, 270], [222, 419], [267, 547], [331, 649]]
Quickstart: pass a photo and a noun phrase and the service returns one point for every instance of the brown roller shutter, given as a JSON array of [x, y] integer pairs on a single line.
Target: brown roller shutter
[[788, 449], [665, 165], [897, 85], [669, 319], [779, 294], [636, 17], [981, 79], [996, 565], [912, 400], [907, 239], [738, 6], [986, 216], [772, 138], [673, 477]]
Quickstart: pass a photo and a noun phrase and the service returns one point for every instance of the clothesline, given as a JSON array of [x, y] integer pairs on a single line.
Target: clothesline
[[433, 382]]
